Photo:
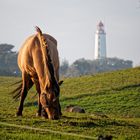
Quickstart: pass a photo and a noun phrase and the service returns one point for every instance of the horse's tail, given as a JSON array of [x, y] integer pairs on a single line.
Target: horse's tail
[[16, 92], [45, 52], [44, 45], [41, 37], [38, 30]]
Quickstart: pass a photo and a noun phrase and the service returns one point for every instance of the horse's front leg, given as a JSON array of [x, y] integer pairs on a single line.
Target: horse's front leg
[[39, 106], [41, 111]]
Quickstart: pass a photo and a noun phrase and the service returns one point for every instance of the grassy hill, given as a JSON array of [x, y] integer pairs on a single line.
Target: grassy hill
[[111, 101]]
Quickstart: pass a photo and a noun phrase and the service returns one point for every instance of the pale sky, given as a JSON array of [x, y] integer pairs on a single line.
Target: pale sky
[[73, 23]]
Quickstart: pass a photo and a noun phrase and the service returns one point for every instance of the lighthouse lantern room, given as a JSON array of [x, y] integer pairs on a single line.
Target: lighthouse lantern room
[[100, 42]]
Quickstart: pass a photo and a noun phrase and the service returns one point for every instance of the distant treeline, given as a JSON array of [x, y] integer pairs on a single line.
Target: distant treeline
[[9, 67], [87, 67]]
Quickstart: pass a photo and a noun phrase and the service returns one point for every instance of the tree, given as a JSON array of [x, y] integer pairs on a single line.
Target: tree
[[6, 48], [8, 60], [64, 67], [82, 65]]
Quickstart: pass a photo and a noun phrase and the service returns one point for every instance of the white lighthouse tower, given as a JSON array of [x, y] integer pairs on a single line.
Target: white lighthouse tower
[[100, 42]]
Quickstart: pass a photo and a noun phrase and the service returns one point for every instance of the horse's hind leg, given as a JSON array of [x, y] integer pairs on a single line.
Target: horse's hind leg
[[26, 85]]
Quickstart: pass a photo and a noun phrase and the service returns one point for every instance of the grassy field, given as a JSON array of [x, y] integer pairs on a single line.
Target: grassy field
[[111, 101]]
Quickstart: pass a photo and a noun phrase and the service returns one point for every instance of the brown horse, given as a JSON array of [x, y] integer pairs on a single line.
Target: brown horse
[[39, 63]]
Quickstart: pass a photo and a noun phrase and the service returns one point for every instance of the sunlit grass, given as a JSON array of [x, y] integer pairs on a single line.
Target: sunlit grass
[[111, 102]]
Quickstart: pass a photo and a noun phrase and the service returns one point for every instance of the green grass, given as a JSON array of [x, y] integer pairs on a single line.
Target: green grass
[[111, 101]]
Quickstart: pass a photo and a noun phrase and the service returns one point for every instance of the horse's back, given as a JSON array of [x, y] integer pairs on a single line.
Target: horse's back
[[30, 46]]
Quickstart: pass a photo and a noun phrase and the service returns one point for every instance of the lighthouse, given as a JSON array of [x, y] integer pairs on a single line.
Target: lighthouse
[[100, 42]]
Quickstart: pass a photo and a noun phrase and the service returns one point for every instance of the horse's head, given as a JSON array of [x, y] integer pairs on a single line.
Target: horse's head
[[50, 103]]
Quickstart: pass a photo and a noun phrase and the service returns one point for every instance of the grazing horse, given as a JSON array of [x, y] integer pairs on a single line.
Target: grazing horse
[[39, 63]]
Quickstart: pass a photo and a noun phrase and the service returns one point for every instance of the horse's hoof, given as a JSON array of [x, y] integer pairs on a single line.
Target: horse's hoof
[[61, 114], [18, 114], [38, 114], [44, 114]]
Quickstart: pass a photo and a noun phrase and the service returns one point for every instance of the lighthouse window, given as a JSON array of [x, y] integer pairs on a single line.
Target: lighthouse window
[[98, 43]]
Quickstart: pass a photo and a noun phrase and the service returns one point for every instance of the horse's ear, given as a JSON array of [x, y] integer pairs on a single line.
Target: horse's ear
[[60, 82]]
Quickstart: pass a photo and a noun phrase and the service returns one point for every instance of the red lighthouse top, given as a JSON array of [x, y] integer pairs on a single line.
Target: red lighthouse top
[[100, 24], [100, 27]]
